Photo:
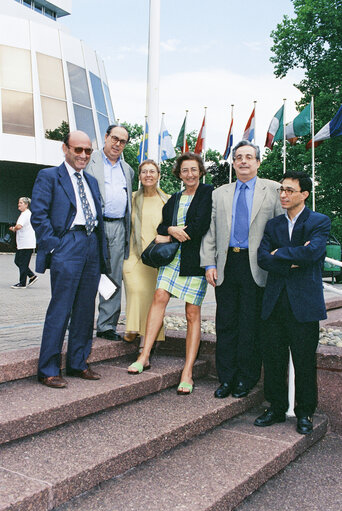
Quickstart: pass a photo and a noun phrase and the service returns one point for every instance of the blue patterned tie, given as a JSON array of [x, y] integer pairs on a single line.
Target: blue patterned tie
[[89, 219], [241, 216]]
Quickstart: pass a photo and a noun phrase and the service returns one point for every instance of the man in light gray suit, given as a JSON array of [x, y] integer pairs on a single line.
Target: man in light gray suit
[[114, 177], [229, 254]]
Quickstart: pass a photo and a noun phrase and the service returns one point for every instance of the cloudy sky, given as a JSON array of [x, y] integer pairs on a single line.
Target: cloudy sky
[[214, 53]]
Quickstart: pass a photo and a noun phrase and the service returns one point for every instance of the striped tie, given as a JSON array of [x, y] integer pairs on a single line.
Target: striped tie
[[89, 218]]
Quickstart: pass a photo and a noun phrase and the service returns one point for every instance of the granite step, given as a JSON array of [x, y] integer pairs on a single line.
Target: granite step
[[28, 407], [46, 470], [215, 471], [23, 363]]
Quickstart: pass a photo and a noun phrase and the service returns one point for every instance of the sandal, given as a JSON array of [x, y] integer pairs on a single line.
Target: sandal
[[184, 385], [139, 368]]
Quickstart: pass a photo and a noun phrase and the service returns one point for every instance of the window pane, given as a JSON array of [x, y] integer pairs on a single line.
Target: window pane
[[78, 84], [98, 94], [85, 122], [51, 79], [15, 69], [17, 113], [103, 122], [54, 113], [109, 103]]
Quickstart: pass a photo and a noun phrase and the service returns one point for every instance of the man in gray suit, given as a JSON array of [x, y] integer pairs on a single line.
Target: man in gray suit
[[229, 254], [114, 177]]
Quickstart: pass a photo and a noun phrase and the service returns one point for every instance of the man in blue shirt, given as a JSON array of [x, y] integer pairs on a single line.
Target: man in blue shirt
[[114, 177], [229, 254]]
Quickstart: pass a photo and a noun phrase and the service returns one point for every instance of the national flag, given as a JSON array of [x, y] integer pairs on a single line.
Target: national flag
[[200, 139], [142, 155], [330, 130], [180, 139], [229, 142], [300, 125], [276, 129], [250, 128], [166, 150]]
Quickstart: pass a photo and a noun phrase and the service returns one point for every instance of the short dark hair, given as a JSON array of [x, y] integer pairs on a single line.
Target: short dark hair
[[111, 126], [303, 179], [152, 162], [185, 157], [247, 142]]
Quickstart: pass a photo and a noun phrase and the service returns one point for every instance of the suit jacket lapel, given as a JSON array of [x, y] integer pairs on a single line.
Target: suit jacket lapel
[[258, 199], [228, 203], [65, 181]]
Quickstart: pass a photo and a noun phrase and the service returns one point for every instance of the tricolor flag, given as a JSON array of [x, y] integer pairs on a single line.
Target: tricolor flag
[[166, 150], [330, 130], [229, 142], [180, 139], [276, 129], [300, 125], [250, 128], [200, 139], [142, 154]]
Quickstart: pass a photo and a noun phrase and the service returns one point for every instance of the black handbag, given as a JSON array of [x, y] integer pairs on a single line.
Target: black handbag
[[161, 254]]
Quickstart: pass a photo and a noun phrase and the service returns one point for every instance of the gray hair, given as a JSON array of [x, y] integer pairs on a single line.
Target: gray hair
[[25, 200], [247, 142]]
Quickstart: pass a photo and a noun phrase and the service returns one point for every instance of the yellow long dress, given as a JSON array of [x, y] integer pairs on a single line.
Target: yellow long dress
[[139, 279]]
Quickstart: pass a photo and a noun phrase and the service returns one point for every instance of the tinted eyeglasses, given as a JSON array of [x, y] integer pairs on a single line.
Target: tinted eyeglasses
[[79, 150]]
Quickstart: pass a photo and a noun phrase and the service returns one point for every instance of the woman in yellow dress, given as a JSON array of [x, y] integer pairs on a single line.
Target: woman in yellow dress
[[139, 279]]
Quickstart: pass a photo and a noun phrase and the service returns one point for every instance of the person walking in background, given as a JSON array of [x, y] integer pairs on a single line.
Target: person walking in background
[[229, 255], [114, 177], [183, 277], [26, 243], [139, 279], [67, 218], [292, 250]]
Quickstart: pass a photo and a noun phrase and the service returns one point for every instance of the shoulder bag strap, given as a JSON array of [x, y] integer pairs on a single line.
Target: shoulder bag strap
[[175, 208]]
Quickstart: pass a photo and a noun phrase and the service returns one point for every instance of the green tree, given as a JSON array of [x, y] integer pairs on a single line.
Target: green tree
[[58, 133], [312, 41], [132, 149]]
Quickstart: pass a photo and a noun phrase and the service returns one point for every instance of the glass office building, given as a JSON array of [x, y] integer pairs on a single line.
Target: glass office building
[[49, 81]]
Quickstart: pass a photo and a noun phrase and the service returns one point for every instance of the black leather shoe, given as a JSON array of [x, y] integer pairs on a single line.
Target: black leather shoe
[[224, 390], [268, 418], [240, 390], [304, 425], [110, 335]]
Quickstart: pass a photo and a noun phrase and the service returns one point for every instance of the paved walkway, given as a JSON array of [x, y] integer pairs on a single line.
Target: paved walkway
[[22, 311]]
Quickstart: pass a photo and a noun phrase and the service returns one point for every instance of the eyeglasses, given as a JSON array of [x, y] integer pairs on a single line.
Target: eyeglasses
[[248, 157], [79, 150], [288, 191], [151, 172], [115, 140], [187, 171]]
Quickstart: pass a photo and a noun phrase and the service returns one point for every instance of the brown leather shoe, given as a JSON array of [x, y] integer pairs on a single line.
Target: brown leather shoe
[[87, 374], [56, 382]]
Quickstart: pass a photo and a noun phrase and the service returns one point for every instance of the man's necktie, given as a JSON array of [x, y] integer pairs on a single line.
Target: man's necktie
[[89, 219], [241, 216]]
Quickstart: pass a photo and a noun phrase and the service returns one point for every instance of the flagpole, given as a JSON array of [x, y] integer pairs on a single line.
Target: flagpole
[[143, 142], [205, 136], [313, 154], [254, 140], [231, 149], [284, 136], [160, 137], [152, 94], [184, 137]]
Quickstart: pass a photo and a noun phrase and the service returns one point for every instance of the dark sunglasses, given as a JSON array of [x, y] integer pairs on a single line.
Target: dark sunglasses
[[79, 150]]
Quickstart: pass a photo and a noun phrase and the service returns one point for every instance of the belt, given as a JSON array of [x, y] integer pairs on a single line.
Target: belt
[[108, 219], [81, 228], [236, 250]]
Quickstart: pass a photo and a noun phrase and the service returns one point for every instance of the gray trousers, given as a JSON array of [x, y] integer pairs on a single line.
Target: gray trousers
[[109, 310]]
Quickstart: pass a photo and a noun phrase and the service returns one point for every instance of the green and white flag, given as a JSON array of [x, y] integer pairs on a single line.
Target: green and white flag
[[300, 125]]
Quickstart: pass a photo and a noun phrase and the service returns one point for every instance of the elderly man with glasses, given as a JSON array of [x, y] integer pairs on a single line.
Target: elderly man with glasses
[[229, 254], [114, 177], [292, 251], [67, 219]]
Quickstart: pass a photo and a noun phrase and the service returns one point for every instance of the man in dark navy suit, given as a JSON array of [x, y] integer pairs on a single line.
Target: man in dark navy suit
[[292, 251], [67, 219]]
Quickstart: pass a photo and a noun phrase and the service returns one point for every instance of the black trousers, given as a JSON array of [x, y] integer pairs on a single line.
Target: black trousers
[[238, 300], [22, 260], [281, 332]]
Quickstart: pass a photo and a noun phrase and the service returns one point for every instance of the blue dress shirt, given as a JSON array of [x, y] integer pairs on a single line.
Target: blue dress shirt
[[115, 189]]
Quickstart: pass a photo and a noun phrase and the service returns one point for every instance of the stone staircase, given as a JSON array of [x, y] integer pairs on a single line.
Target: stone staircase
[[130, 442]]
